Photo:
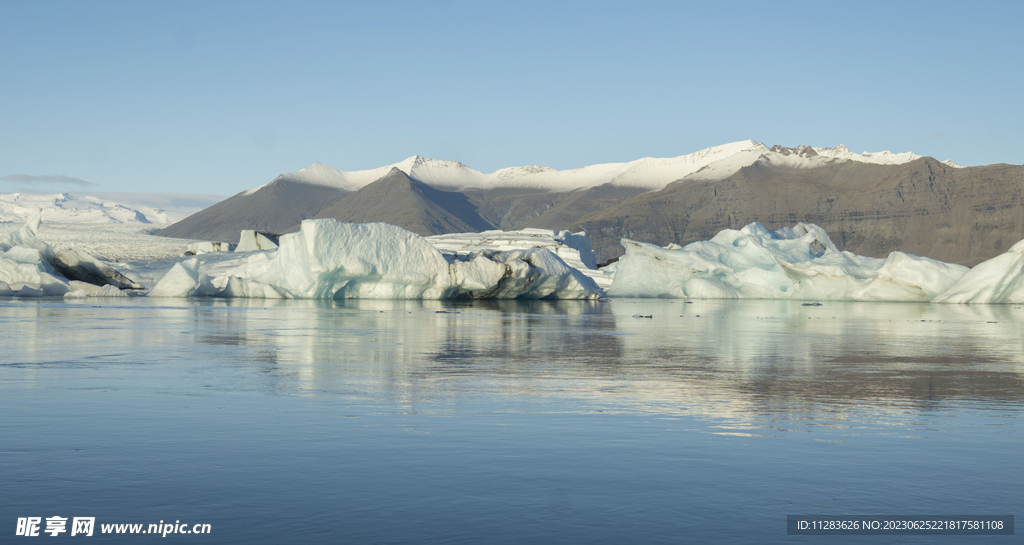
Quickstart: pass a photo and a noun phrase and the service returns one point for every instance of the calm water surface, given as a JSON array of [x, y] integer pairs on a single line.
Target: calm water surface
[[507, 422]]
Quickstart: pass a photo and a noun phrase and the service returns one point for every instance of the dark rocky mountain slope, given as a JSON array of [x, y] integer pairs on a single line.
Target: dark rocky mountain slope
[[399, 200], [277, 207], [958, 215]]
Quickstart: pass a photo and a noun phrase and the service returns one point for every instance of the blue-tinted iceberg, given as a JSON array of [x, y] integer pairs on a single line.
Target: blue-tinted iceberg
[[328, 259], [798, 262]]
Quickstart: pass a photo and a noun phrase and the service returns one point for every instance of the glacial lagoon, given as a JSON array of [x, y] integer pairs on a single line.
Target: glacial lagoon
[[507, 421]]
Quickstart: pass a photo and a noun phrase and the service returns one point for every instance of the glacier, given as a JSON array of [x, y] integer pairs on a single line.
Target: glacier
[[65, 207], [799, 262]]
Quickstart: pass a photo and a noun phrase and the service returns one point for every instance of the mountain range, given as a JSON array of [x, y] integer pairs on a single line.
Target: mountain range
[[870, 203]]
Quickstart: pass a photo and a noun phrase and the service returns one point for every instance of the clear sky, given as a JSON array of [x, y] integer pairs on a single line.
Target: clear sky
[[217, 97]]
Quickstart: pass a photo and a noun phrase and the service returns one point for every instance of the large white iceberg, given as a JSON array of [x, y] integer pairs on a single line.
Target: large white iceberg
[[998, 280], [328, 259], [798, 262]]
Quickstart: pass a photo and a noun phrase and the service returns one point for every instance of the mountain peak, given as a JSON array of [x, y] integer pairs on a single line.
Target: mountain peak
[[421, 161], [799, 151], [318, 167], [395, 172]]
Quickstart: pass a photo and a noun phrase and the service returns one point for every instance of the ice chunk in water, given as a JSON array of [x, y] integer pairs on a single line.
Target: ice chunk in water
[[328, 259], [799, 262], [998, 280]]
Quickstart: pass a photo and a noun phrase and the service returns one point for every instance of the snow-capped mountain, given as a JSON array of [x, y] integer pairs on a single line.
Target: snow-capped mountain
[[64, 207], [649, 173]]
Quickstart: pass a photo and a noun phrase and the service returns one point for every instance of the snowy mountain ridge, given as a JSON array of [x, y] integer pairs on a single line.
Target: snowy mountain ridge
[[648, 173], [64, 207]]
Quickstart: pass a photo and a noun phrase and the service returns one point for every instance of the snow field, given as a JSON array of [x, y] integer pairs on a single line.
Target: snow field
[[63, 207]]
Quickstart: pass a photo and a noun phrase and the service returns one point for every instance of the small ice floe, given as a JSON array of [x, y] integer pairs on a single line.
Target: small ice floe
[[81, 290], [206, 247]]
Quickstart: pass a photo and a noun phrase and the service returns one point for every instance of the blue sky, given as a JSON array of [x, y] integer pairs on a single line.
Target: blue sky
[[220, 96]]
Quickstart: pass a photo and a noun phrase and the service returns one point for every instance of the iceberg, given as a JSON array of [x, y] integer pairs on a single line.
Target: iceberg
[[799, 262], [25, 263], [573, 248], [24, 273], [206, 247], [328, 259], [251, 241], [998, 280], [30, 267], [28, 237]]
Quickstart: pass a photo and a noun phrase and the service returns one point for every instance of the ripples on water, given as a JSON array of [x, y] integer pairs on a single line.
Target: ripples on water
[[438, 422]]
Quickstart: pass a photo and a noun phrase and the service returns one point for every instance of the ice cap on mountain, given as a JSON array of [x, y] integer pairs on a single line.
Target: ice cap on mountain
[[648, 173]]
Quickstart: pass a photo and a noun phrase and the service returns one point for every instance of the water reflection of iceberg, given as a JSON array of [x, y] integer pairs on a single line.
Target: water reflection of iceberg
[[743, 363], [735, 360]]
